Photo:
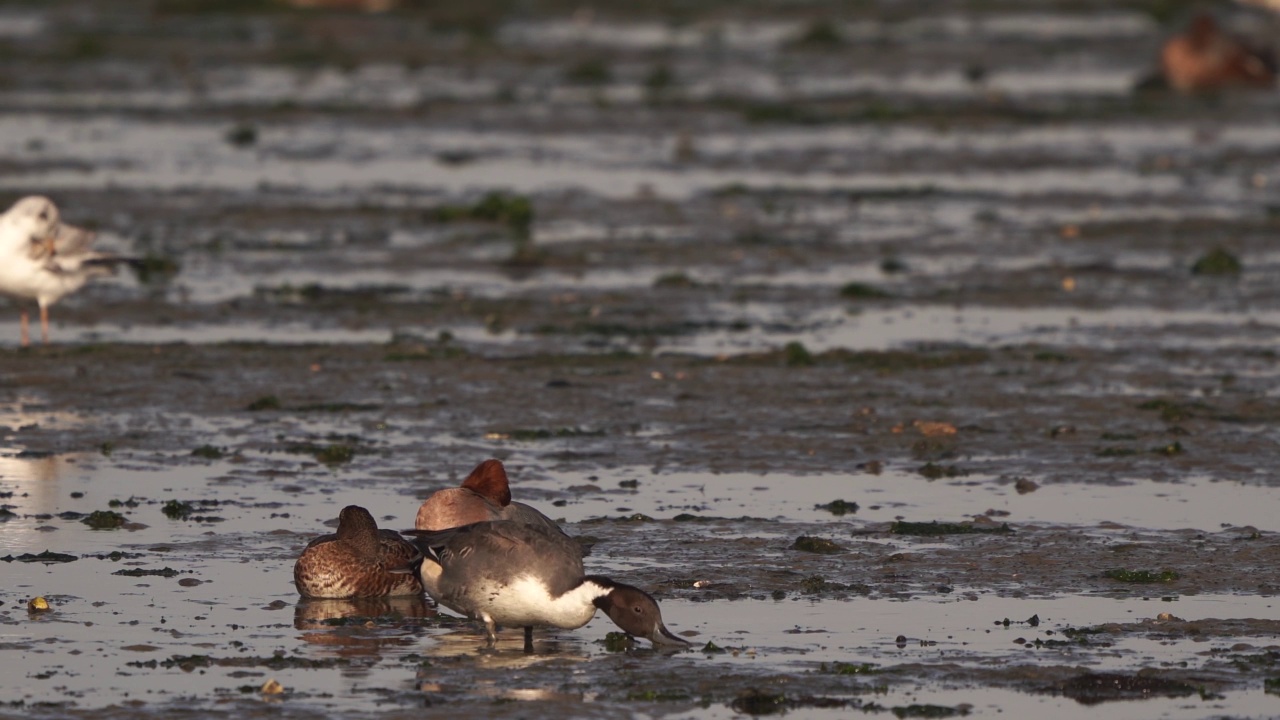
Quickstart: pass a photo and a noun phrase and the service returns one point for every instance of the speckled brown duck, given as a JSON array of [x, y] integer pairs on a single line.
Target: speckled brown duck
[[359, 561], [484, 496]]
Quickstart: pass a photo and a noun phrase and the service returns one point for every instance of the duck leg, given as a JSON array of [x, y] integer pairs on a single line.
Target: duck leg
[[528, 638], [490, 630], [26, 336], [44, 324]]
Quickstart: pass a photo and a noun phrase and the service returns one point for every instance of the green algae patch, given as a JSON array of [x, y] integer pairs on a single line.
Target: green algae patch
[[1093, 688], [1218, 261], [817, 584], [844, 668], [266, 402], [167, 572], [759, 702], [104, 520], [48, 556], [618, 642], [242, 136], [187, 663], [902, 360], [1141, 576], [156, 269], [675, 280], [536, 434], [795, 354], [935, 528], [934, 471], [592, 71], [335, 454], [1172, 411], [208, 452], [658, 695], [862, 291], [713, 649], [408, 352], [337, 407], [927, 711], [878, 361], [514, 211], [819, 34], [1271, 686], [822, 546], [177, 510], [838, 507]]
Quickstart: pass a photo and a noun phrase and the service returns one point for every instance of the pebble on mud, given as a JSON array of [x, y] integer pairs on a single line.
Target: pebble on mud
[[37, 605], [272, 687]]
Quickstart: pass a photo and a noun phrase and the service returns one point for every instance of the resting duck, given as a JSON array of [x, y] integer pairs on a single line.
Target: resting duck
[[512, 573], [485, 495], [1205, 59], [359, 561]]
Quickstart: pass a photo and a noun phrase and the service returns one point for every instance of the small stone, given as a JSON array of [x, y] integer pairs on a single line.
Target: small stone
[[37, 605], [272, 687]]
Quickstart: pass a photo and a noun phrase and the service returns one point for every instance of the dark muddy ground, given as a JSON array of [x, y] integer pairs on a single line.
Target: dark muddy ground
[[695, 274]]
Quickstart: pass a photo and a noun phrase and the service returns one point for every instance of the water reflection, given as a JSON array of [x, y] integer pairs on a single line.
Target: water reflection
[[362, 626]]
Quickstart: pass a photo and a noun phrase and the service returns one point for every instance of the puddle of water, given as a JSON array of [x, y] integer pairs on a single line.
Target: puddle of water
[[996, 702], [876, 329], [159, 155], [804, 633], [1199, 503], [766, 34]]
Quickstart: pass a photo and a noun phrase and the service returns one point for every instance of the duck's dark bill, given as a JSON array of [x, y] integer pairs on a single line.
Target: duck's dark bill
[[663, 636]]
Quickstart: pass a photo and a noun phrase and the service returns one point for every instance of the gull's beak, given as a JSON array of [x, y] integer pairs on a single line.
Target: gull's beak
[[44, 247]]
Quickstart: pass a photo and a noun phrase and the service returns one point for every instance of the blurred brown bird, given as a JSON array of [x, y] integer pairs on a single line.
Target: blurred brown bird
[[369, 6], [1205, 59]]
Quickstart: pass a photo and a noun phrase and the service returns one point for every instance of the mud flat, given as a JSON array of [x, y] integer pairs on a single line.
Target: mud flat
[[917, 365]]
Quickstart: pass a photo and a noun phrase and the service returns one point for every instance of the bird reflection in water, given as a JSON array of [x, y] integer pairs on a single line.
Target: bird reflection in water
[[363, 626]]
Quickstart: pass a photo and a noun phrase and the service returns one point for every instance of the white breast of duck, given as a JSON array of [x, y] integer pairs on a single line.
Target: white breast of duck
[[527, 601]]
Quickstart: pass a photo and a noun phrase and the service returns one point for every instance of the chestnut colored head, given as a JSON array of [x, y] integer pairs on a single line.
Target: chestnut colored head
[[482, 497], [489, 480], [636, 612]]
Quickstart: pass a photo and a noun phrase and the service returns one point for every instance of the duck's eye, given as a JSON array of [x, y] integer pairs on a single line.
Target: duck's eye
[[44, 214], [637, 609]]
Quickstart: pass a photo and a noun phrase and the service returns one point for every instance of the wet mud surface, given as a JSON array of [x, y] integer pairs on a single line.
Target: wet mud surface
[[890, 354]]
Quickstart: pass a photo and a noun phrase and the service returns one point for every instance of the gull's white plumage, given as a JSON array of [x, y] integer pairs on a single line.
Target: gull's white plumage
[[44, 259]]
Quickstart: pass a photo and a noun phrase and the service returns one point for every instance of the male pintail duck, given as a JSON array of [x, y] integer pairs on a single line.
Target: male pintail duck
[[485, 495], [1206, 59], [359, 561], [44, 259], [512, 573]]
